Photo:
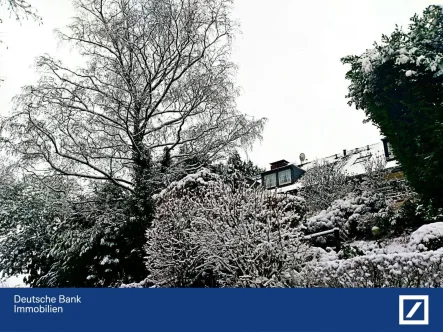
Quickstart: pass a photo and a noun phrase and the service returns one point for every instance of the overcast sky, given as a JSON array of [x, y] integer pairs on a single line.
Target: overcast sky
[[289, 66]]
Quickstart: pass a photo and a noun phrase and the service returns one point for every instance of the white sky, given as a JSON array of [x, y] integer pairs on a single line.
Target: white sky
[[289, 66]]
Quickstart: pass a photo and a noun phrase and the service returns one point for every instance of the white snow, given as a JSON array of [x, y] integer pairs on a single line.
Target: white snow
[[366, 65], [15, 282], [294, 186], [425, 234], [402, 59], [392, 164], [388, 246], [353, 165], [380, 270]]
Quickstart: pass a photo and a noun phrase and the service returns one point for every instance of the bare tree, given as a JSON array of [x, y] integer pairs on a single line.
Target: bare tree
[[20, 9], [376, 174], [157, 76], [323, 183]]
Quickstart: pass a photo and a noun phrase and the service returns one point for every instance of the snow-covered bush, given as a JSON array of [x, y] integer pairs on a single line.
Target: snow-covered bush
[[99, 245], [375, 177], [381, 246], [208, 233], [324, 183], [354, 214], [411, 214], [427, 237], [385, 270]]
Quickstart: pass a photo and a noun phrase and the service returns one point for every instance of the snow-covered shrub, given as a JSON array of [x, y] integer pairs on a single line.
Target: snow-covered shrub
[[385, 270], [99, 245], [381, 246], [395, 221], [349, 251], [354, 214], [375, 177], [209, 233], [324, 183], [317, 254], [427, 237]]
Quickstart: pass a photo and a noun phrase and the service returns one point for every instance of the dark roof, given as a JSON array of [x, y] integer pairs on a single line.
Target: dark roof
[[280, 162]]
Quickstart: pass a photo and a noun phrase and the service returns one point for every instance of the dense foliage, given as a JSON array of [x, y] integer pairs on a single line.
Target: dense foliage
[[354, 214], [398, 84], [209, 232], [58, 240]]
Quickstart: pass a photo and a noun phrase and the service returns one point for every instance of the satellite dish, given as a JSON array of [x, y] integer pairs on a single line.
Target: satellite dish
[[302, 157]]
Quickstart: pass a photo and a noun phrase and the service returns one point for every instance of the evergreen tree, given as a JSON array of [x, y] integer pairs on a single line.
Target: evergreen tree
[[399, 85], [236, 170], [62, 238]]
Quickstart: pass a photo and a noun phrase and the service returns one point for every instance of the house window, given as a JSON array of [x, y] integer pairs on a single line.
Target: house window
[[284, 177], [271, 180]]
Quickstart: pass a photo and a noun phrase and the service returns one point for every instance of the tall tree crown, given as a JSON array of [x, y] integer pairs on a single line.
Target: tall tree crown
[[157, 74]]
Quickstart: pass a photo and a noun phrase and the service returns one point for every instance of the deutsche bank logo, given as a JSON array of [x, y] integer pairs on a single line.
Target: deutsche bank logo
[[414, 309]]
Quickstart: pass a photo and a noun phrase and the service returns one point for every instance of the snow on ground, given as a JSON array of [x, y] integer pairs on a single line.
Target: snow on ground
[[13, 282], [387, 246]]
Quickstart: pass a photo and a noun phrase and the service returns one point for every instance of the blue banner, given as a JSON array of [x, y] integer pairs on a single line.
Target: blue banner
[[227, 310]]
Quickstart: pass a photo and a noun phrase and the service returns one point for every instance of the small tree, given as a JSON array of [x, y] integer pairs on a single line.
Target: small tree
[[324, 183], [376, 175]]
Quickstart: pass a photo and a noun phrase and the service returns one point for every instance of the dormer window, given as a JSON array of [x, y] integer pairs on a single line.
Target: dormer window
[[270, 180], [281, 177], [284, 177]]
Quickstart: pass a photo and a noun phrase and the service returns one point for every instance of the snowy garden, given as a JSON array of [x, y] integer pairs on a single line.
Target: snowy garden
[[126, 172], [222, 233]]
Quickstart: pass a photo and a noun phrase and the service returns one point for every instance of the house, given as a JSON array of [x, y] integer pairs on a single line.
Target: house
[[284, 176]]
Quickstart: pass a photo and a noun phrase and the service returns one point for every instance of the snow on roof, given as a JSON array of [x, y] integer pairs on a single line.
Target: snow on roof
[[354, 163], [354, 159]]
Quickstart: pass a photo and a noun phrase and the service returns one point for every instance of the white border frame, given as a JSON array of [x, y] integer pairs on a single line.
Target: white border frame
[[424, 321]]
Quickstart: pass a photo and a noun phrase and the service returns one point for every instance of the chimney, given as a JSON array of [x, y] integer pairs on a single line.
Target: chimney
[[344, 153], [278, 164]]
